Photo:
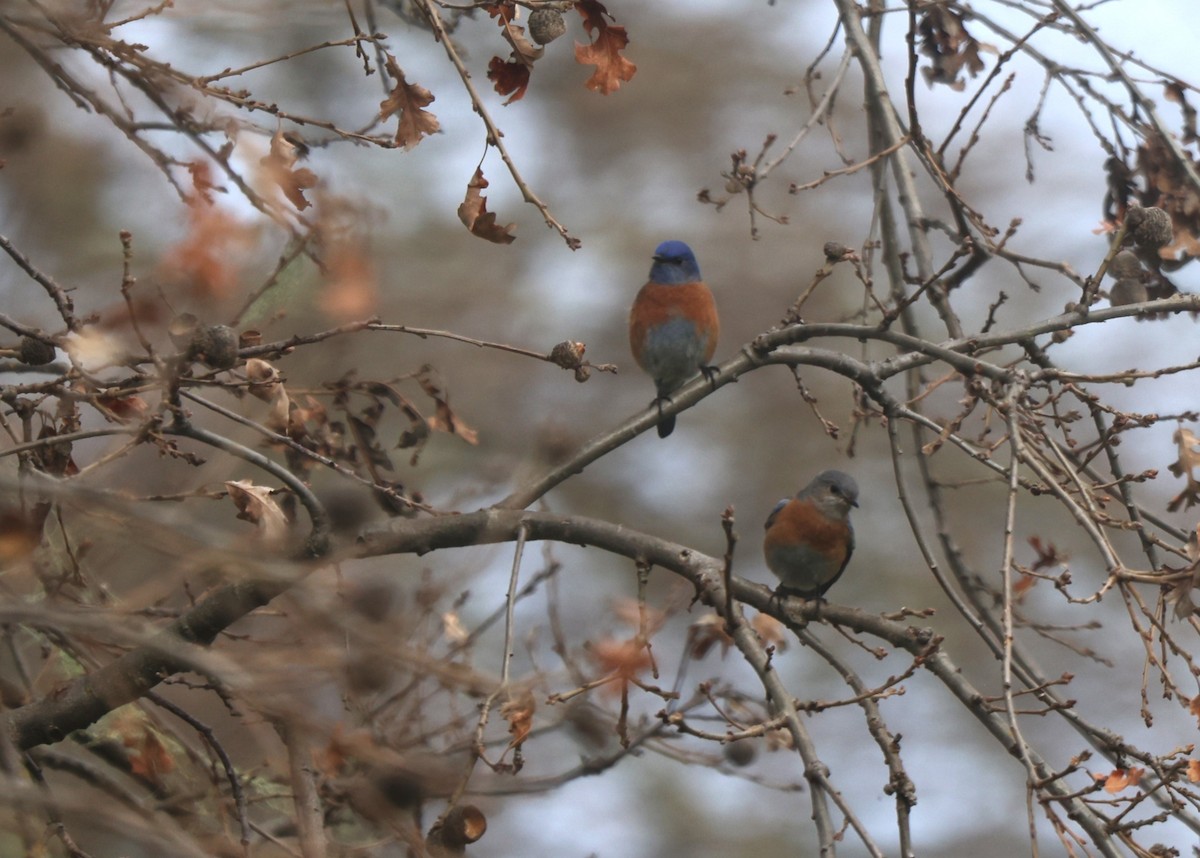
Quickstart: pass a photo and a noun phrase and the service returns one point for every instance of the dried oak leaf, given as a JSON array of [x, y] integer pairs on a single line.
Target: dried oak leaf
[[605, 50], [1185, 466], [1118, 779], [409, 101], [518, 712], [209, 260], [509, 78], [255, 505], [1179, 592], [444, 419], [1193, 771], [951, 49], [279, 167], [1168, 187], [1174, 91], [505, 10], [626, 659], [149, 756], [475, 216]]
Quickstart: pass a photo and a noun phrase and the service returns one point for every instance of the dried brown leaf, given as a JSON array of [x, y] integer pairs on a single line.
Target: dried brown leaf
[[408, 100], [604, 52], [475, 216]]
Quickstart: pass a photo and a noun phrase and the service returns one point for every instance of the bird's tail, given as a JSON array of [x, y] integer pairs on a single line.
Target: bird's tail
[[666, 425]]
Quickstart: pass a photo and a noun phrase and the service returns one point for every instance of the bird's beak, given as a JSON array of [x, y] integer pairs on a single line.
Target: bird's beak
[[854, 504]]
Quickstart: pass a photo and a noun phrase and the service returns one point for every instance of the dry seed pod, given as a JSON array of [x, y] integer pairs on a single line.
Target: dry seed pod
[[1150, 227], [216, 346], [546, 25], [34, 352]]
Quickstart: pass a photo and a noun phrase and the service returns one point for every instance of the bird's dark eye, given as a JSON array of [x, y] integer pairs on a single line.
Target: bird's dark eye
[[835, 489]]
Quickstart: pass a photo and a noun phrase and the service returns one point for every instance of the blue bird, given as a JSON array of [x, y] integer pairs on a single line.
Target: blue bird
[[673, 324]]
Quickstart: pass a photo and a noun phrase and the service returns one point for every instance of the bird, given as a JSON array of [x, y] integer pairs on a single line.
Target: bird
[[673, 325], [809, 537]]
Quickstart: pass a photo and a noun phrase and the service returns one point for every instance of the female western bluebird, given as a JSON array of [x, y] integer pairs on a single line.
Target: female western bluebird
[[673, 324], [809, 537]]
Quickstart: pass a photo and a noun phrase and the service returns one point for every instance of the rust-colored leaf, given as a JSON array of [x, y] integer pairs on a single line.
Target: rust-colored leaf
[[149, 756], [604, 52], [1048, 555], [408, 100], [209, 259], [124, 409], [351, 290], [1119, 779], [509, 78], [625, 658], [201, 174], [475, 216]]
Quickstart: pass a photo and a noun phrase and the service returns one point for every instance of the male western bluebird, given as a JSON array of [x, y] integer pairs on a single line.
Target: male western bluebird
[[809, 537], [673, 324]]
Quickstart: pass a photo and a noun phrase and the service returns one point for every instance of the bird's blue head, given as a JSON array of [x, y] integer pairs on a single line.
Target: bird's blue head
[[674, 263]]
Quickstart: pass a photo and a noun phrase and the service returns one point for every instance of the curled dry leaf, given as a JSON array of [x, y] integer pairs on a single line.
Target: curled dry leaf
[[1180, 592], [511, 78], [279, 167], [1193, 771], [705, 633], [518, 712], [123, 409], [255, 504], [266, 385], [408, 100], [1188, 446], [475, 216], [444, 419], [604, 52]]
